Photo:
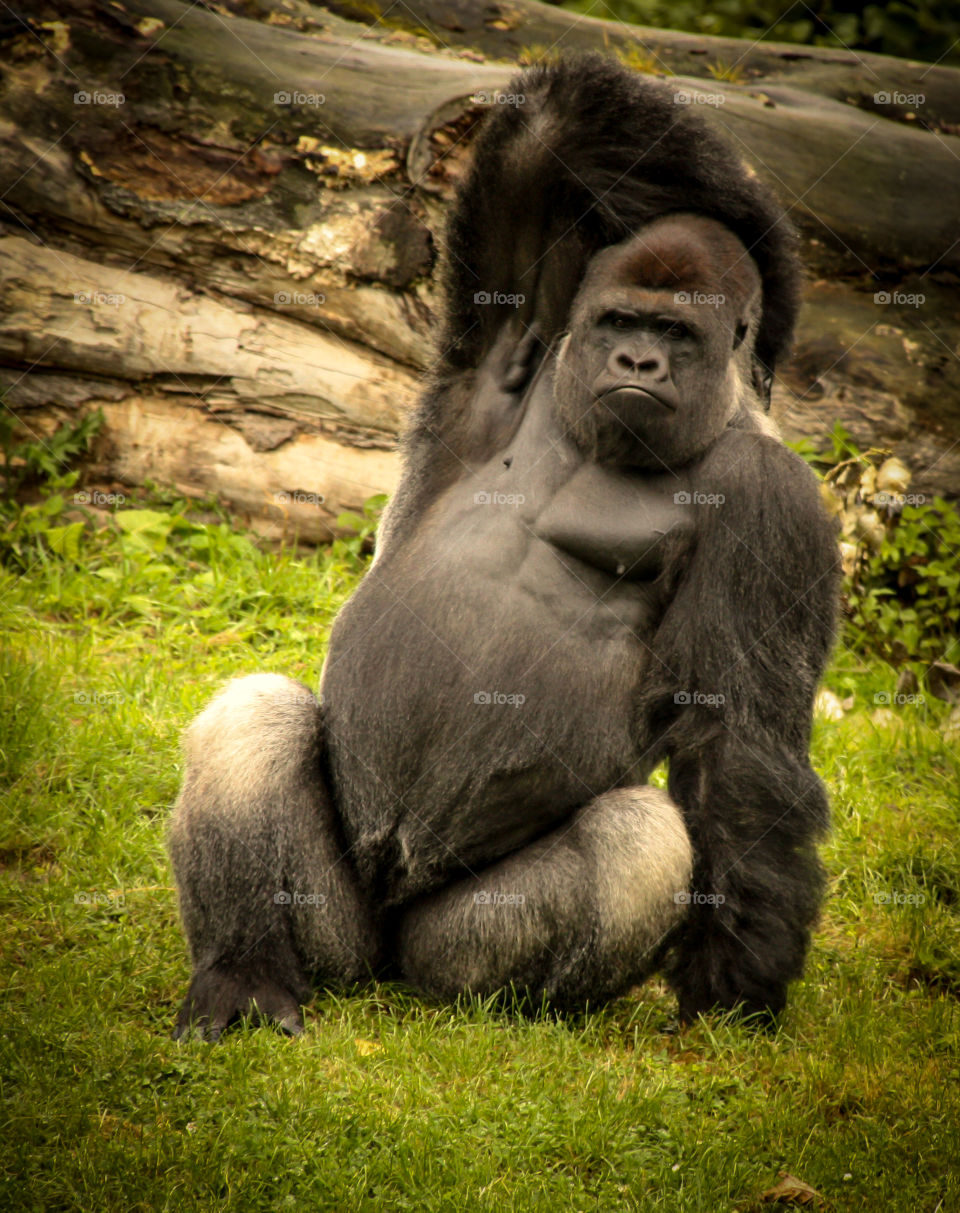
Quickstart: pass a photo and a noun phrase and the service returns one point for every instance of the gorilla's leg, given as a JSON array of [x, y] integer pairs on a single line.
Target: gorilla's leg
[[577, 915], [268, 898]]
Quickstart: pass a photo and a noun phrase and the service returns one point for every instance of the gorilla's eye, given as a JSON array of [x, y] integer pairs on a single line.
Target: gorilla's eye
[[676, 331], [618, 320]]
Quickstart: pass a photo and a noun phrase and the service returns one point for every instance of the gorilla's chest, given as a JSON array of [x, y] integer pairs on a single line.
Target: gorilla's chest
[[489, 667], [488, 630], [584, 545]]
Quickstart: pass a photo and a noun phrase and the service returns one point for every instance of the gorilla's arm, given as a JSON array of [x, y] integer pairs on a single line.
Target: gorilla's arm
[[757, 639]]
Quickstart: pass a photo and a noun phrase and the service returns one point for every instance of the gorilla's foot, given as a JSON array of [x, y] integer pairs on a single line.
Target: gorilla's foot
[[218, 997]]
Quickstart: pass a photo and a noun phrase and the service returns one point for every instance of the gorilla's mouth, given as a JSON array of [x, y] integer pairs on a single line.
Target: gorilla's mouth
[[631, 393]]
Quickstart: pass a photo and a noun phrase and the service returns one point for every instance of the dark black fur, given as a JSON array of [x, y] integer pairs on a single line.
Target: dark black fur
[[468, 845]]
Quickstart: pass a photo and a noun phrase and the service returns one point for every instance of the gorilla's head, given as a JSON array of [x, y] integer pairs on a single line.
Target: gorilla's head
[[660, 338]]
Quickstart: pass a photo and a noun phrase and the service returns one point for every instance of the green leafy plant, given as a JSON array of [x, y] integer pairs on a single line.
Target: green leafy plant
[[904, 598], [364, 527], [41, 460], [32, 530], [901, 553]]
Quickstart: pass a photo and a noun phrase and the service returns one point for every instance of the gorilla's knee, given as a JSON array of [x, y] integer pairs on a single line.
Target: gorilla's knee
[[577, 916], [252, 734], [641, 861]]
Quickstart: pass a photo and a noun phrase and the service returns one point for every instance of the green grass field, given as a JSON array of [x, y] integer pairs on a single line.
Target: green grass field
[[110, 642]]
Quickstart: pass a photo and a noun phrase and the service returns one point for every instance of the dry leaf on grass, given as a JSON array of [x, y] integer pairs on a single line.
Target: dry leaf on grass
[[792, 1191]]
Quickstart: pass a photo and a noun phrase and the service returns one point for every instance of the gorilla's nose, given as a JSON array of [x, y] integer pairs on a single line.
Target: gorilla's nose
[[639, 364]]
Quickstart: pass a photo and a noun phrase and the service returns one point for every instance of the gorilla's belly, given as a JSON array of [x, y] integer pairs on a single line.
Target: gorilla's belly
[[506, 700]]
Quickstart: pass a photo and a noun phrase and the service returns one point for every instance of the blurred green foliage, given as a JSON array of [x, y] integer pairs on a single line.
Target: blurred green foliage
[[923, 30]]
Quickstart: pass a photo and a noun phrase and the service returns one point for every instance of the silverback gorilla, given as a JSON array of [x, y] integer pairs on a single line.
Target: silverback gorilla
[[600, 558]]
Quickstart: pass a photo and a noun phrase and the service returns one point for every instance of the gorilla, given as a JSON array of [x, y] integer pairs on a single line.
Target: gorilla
[[601, 558]]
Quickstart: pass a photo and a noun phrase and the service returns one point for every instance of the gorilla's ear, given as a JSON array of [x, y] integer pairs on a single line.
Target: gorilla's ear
[[739, 333], [762, 382]]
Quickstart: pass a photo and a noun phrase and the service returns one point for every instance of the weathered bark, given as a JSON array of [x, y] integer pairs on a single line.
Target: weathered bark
[[235, 260]]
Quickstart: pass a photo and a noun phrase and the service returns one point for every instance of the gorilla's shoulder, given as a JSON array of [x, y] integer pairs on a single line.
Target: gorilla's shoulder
[[759, 462]]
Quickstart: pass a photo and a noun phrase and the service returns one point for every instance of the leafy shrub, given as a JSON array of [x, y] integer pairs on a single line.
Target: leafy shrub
[[901, 554]]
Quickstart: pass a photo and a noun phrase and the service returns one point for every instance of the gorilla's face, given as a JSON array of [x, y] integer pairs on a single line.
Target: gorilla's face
[[650, 375]]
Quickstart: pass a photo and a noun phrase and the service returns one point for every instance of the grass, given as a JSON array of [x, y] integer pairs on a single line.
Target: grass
[[389, 1101]]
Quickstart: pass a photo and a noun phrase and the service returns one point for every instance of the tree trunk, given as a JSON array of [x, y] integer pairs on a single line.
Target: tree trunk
[[219, 225]]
